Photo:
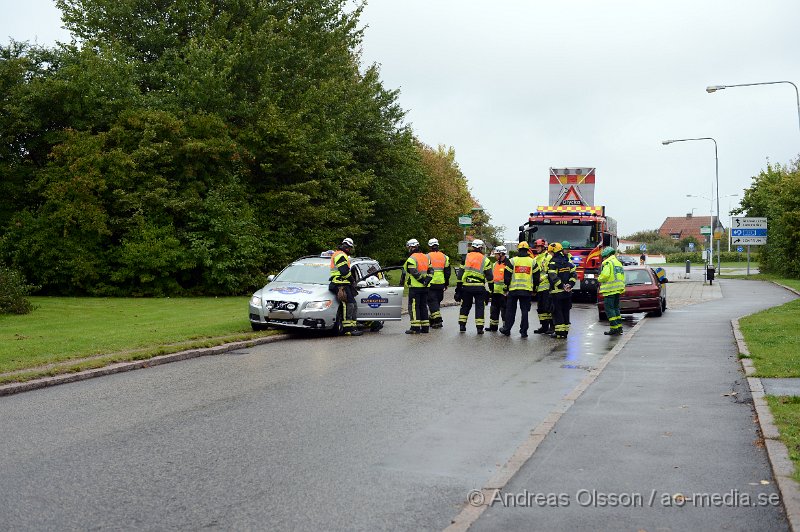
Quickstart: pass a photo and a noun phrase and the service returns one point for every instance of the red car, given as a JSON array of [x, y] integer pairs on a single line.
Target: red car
[[643, 293]]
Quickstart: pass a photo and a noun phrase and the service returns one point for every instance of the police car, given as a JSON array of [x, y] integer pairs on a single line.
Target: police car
[[298, 297]]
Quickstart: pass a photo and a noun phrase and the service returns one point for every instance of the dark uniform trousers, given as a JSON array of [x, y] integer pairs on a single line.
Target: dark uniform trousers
[[468, 295], [418, 308], [497, 310], [435, 297], [562, 303], [524, 299], [544, 307], [349, 315]]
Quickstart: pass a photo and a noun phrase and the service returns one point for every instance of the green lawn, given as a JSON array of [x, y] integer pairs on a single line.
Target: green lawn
[[62, 329], [786, 411]]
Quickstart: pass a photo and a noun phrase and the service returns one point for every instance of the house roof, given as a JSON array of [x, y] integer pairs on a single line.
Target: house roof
[[686, 226]]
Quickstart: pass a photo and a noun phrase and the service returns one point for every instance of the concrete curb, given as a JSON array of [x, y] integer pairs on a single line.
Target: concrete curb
[[479, 501], [782, 466], [789, 288], [119, 367]]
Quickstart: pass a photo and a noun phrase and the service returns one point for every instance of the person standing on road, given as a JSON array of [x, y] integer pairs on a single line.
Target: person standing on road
[[499, 289], [341, 284], [612, 284], [544, 306], [522, 274], [440, 280], [561, 274], [415, 277], [477, 271]]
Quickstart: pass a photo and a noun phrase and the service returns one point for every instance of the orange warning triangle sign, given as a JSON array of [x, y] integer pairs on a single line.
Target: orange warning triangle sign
[[572, 194]]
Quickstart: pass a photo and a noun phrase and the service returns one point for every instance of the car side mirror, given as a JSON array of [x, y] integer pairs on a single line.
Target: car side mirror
[[270, 278]]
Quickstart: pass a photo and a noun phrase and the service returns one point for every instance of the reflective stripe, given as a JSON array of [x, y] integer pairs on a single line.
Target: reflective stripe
[[418, 261], [543, 260], [522, 276]]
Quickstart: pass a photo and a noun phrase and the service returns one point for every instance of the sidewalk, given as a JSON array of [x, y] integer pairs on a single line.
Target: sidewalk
[[664, 439]]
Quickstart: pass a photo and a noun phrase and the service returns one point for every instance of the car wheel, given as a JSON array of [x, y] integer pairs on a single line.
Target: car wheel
[[601, 315], [338, 328], [658, 313], [259, 326]]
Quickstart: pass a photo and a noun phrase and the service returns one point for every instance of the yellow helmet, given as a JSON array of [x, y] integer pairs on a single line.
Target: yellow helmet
[[555, 247], [523, 245]]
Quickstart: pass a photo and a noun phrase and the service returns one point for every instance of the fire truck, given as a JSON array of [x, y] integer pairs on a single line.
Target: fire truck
[[571, 215]]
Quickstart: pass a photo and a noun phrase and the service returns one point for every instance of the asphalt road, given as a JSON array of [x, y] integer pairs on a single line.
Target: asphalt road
[[382, 431]]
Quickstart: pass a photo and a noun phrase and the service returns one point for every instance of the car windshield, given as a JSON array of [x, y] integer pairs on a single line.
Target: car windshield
[[305, 272], [579, 236], [635, 277]]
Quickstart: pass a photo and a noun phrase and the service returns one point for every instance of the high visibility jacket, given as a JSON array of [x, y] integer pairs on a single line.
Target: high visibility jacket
[[522, 270], [543, 261], [560, 272], [477, 269], [340, 268], [612, 277], [416, 268], [498, 272], [440, 266]]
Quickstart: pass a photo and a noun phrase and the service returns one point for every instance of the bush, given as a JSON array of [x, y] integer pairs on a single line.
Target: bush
[[13, 290], [725, 256]]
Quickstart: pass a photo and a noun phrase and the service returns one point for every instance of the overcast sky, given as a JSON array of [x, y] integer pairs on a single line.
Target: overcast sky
[[518, 86]]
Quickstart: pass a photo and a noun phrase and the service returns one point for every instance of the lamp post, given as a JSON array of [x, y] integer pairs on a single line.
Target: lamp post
[[715, 88], [716, 173]]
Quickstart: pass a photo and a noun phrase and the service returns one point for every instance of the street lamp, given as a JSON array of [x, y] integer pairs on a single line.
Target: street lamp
[[715, 88], [716, 173]]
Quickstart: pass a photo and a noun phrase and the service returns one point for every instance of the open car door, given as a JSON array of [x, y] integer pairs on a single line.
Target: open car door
[[376, 301]]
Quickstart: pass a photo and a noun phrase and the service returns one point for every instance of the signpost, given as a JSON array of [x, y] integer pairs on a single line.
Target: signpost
[[691, 246], [750, 232]]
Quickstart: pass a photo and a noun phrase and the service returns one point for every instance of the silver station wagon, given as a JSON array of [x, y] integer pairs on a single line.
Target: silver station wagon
[[298, 297]]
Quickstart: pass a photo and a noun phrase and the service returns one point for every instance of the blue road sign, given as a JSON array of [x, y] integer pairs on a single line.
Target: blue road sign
[[748, 232], [691, 246], [643, 247], [739, 249]]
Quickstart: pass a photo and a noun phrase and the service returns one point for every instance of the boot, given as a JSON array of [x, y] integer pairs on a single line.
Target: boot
[[480, 330], [425, 330], [492, 328], [353, 332], [541, 330], [523, 334], [412, 331], [505, 332], [462, 327]]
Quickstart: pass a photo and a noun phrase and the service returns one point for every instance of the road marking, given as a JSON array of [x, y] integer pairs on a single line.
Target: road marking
[[470, 512]]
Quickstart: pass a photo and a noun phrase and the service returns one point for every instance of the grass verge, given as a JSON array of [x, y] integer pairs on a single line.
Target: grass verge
[[786, 411], [773, 339], [72, 334]]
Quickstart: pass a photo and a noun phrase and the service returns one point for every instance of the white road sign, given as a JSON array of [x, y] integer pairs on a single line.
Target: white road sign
[[748, 231]]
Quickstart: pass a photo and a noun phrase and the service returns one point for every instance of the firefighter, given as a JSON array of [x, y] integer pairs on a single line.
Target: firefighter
[[544, 307], [499, 289], [477, 271], [440, 280], [561, 274], [522, 273], [341, 284], [415, 277], [566, 245], [612, 284]]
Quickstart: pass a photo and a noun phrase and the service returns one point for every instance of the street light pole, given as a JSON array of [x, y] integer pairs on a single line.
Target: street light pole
[[715, 88], [716, 173]]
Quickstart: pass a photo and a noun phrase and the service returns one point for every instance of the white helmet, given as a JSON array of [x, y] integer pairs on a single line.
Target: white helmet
[[412, 243], [348, 242], [500, 249], [477, 243], [433, 242]]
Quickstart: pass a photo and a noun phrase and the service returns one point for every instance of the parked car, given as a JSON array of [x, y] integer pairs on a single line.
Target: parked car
[[298, 297], [627, 260], [643, 293]]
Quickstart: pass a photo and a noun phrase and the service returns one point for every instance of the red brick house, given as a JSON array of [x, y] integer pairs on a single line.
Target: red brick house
[[680, 227]]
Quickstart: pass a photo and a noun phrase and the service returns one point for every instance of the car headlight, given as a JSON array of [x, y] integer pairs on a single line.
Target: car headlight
[[255, 301], [318, 305]]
